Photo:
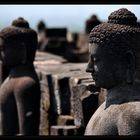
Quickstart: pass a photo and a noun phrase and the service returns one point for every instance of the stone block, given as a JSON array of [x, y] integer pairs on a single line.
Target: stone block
[[64, 130]]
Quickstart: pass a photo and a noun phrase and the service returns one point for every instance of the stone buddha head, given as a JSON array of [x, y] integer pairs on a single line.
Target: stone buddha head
[[18, 43], [114, 49]]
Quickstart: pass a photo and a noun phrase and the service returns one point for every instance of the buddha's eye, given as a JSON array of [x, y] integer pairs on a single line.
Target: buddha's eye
[[95, 59]]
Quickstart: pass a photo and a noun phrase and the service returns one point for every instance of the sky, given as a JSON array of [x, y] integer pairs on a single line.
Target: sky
[[72, 17]]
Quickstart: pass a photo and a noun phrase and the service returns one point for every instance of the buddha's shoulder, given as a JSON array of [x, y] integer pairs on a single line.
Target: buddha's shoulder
[[128, 108]]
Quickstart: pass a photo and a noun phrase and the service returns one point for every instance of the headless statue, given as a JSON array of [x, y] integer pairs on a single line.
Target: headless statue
[[114, 64], [20, 92]]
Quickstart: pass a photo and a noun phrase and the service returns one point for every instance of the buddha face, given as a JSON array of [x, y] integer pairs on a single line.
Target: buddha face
[[106, 70]]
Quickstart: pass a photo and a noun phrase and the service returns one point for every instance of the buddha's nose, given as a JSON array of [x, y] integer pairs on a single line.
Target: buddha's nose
[[90, 67]]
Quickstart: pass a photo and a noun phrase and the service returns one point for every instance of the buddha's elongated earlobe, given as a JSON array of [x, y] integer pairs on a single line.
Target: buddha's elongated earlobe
[[130, 67], [129, 76]]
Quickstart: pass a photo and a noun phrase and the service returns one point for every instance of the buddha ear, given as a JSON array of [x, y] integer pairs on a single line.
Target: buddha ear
[[130, 59]]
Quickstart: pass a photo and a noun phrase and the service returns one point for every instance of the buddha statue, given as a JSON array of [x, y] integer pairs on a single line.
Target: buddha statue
[[20, 91], [114, 64]]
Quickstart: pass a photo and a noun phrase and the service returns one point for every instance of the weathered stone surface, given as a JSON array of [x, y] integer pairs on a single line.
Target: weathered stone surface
[[56, 87], [43, 58], [45, 104], [63, 130], [62, 90], [62, 93], [61, 68], [102, 96], [84, 104], [59, 74], [65, 120]]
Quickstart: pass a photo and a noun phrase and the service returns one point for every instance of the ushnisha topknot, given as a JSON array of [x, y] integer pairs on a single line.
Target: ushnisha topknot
[[123, 16], [20, 33], [121, 28], [19, 27], [20, 22]]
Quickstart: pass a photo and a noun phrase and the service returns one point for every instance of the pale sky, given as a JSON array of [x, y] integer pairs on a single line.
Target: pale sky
[[71, 16]]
